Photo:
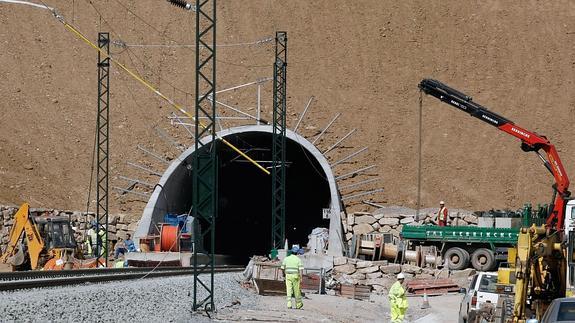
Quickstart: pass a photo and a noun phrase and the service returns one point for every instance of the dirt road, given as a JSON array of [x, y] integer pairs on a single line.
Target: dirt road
[[324, 308]]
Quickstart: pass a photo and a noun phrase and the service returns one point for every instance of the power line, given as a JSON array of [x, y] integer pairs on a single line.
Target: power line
[[121, 43]]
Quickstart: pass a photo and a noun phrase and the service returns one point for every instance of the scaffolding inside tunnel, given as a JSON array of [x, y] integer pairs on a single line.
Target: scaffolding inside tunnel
[[244, 194]]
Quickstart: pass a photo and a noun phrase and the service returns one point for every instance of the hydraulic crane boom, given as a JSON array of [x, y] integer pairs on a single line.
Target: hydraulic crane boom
[[530, 141]]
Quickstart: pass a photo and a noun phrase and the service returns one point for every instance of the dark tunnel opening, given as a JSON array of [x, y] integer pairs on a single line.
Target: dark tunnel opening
[[243, 225]]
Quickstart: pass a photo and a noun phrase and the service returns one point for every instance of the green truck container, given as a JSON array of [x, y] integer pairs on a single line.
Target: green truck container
[[462, 246]]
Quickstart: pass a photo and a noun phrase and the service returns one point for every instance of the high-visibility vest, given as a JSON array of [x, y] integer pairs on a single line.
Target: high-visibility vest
[[292, 264], [442, 215]]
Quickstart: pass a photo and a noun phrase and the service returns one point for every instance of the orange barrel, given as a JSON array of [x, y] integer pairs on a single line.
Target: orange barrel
[[169, 238]]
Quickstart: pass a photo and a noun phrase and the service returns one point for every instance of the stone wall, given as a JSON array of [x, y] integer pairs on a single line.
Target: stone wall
[[380, 275], [392, 219], [119, 225]]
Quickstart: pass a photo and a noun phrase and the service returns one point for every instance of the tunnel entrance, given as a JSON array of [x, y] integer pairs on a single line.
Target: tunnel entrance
[[243, 223], [243, 226]]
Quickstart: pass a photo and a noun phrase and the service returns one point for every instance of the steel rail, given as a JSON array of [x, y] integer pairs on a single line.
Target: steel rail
[[42, 279]]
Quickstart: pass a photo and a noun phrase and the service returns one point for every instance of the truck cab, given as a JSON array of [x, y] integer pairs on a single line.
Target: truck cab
[[570, 240]]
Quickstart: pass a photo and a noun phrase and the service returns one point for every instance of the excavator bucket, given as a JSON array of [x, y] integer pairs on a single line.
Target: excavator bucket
[[18, 257]]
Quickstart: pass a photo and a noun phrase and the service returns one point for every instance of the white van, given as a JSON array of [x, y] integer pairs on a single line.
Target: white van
[[482, 289]]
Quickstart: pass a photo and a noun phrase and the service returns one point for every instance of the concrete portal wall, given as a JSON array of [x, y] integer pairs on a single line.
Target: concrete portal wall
[[174, 184]]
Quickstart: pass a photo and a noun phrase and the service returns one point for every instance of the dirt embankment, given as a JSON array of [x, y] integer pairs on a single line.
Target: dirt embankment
[[361, 59]]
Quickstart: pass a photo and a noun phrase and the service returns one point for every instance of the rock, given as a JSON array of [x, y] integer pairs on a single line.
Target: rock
[[362, 228], [382, 281], [376, 274], [399, 227], [348, 236], [359, 213], [28, 166], [444, 273], [122, 227], [349, 228], [385, 228], [388, 221], [346, 279], [345, 269], [365, 219], [368, 270], [352, 261], [406, 220], [407, 268], [424, 276], [455, 274], [363, 264], [379, 289], [460, 223], [470, 219], [394, 232], [378, 216], [338, 261], [390, 269], [350, 219], [358, 276], [376, 226], [132, 226]]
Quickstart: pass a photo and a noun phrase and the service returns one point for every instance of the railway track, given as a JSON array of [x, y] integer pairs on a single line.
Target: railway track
[[40, 279]]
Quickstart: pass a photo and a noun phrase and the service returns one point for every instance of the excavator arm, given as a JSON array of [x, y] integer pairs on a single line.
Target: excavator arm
[[530, 141], [23, 224]]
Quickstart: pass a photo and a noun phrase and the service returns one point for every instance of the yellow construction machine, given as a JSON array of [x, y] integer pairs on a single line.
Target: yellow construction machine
[[43, 242]]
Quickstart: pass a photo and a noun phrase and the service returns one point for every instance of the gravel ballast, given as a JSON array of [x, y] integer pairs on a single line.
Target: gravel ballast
[[155, 299]]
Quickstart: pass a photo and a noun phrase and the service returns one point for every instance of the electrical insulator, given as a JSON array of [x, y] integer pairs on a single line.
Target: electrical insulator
[[182, 4]]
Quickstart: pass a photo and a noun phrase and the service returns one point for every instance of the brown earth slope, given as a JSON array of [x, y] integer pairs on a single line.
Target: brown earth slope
[[362, 58]]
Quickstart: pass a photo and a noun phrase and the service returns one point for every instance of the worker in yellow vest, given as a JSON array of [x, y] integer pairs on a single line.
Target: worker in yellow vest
[[398, 300], [292, 268]]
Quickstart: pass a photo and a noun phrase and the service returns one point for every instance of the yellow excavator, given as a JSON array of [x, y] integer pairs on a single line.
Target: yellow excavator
[[43, 243]]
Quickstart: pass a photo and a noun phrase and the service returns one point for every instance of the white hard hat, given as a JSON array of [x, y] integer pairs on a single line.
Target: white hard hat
[[400, 276], [441, 202]]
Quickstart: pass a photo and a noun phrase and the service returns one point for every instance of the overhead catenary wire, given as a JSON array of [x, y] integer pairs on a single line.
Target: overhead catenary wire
[[261, 41], [148, 85]]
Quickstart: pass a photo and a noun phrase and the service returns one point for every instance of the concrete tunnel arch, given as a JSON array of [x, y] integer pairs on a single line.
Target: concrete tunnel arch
[[243, 225]]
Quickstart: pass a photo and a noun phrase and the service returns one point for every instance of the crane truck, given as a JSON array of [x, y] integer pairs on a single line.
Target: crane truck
[[544, 266]]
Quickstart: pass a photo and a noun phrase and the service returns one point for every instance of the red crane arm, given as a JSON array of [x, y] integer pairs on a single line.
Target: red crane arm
[[530, 141]]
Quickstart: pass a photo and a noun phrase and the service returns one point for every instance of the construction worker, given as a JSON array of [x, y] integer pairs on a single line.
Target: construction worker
[[90, 243], [398, 300], [442, 215], [292, 268]]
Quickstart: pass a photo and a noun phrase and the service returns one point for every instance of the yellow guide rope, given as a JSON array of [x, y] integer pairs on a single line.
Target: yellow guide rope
[[152, 88]]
